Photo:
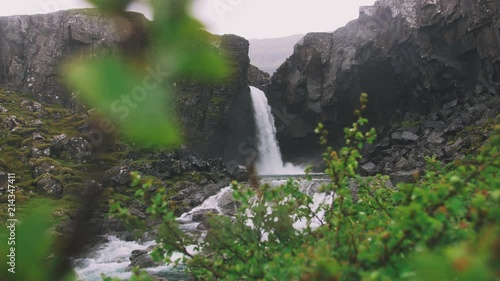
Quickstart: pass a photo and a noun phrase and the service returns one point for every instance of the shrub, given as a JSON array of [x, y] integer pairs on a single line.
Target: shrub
[[444, 227]]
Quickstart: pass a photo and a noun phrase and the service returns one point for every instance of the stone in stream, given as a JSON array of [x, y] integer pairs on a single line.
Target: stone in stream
[[142, 259]]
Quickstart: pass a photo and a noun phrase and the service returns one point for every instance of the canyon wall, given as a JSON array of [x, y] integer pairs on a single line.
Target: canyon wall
[[216, 116], [410, 56]]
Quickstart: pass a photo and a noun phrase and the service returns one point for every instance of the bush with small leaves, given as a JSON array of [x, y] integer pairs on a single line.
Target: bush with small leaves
[[443, 227]]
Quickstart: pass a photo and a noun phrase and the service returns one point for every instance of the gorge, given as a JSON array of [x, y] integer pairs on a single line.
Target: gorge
[[431, 70]]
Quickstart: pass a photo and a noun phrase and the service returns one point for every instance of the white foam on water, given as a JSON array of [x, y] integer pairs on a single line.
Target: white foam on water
[[110, 258]]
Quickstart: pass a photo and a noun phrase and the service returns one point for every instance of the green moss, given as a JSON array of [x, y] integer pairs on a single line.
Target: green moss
[[74, 189], [14, 141], [49, 160], [66, 171], [43, 146]]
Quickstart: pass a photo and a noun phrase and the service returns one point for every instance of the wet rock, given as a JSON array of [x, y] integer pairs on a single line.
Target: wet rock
[[192, 194], [202, 227], [197, 162], [239, 173], [227, 204], [47, 184], [142, 259], [117, 176], [203, 215]]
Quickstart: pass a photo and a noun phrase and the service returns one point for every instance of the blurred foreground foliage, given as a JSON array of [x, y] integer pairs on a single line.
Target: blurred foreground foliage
[[443, 227], [113, 82], [134, 88]]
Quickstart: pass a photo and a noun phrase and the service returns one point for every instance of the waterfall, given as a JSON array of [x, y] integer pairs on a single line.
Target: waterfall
[[270, 161]]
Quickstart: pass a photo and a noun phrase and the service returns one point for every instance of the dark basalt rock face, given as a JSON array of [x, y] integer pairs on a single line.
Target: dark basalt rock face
[[411, 56], [34, 47], [258, 78], [216, 117]]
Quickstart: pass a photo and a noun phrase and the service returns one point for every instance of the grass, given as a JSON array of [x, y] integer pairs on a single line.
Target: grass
[[16, 147]]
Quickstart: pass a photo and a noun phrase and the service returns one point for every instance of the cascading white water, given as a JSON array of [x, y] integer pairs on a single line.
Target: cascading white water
[[270, 161], [112, 258]]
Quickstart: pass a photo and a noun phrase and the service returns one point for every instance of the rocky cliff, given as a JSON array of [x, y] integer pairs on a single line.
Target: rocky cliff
[[216, 116], [412, 57], [34, 47]]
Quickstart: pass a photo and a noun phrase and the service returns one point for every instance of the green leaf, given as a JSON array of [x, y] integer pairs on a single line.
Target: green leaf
[[33, 241]]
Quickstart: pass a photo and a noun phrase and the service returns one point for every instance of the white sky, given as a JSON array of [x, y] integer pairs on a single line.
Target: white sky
[[248, 18]]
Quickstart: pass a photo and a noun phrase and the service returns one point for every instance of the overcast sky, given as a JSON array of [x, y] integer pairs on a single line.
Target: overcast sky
[[248, 18]]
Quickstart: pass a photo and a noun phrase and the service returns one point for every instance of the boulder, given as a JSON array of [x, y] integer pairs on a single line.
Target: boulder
[[192, 194], [436, 138], [239, 173], [43, 168], [79, 149], [37, 153], [142, 259], [117, 176], [10, 122], [203, 215], [60, 143], [47, 184], [368, 169]]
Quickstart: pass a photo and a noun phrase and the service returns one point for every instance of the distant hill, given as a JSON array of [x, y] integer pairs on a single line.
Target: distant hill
[[269, 54]]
